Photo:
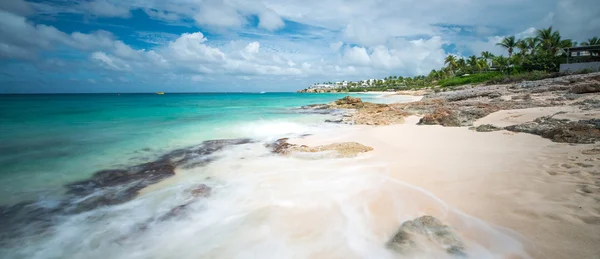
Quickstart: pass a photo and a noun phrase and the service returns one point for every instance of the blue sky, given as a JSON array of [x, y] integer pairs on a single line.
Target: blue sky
[[255, 45]]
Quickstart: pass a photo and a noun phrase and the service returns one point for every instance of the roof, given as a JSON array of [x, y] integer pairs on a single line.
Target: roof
[[583, 48]]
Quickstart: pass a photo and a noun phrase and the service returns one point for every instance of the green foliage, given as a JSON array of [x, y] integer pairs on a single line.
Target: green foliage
[[542, 62], [471, 79]]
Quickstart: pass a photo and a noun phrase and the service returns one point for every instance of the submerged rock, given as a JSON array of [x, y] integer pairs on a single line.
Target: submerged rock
[[561, 130], [411, 233], [344, 149]]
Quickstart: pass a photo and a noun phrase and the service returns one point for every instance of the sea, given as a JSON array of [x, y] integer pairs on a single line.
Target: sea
[[252, 204]]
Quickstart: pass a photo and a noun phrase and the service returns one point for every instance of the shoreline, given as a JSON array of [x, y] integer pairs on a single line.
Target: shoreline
[[547, 191]]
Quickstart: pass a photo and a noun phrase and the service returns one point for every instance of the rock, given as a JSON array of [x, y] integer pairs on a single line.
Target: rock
[[335, 121], [110, 187], [564, 131], [349, 100], [344, 149], [593, 151], [441, 116], [591, 86], [201, 190], [411, 233], [485, 128]]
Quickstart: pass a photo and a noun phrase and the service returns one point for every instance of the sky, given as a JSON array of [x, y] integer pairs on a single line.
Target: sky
[[80, 46]]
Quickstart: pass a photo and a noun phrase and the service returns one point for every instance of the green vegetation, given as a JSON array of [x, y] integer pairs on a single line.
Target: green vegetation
[[531, 58]]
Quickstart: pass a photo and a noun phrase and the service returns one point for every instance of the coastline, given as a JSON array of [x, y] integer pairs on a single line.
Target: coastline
[[499, 177], [505, 194], [547, 191]]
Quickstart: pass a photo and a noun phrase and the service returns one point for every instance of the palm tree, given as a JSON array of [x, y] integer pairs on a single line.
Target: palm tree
[[551, 41], [473, 63], [487, 56], [483, 64], [532, 43], [450, 61], [461, 65], [509, 43], [591, 42], [523, 47], [501, 62]]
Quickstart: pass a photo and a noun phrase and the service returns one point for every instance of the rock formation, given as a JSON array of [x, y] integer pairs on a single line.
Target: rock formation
[[344, 149]]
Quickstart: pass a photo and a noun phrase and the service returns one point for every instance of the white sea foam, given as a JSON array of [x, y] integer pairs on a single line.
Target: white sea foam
[[268, 206]]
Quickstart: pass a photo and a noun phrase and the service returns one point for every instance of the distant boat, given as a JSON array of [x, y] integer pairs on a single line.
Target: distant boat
[[160, 92], [262, 92]]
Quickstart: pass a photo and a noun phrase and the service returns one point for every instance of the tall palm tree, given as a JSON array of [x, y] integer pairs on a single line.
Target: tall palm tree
[[487, 56], [450, 61], [509, 43], [532, 44], [523, 47], [551, 41], [461, 65], [473, 63]]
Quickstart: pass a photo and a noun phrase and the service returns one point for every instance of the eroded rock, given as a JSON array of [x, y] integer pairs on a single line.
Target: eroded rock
[[343, 149], [561, 130], [486, 128]]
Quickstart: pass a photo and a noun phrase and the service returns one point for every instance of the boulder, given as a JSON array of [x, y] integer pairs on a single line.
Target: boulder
[[441, 116], [412, 233], [348, 100]]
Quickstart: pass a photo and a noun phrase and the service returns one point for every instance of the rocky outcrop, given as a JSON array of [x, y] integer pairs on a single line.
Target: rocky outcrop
[[411, 234], [561, 130], [485, 128], [441, 116], [343, 149], [349, 101], [592, 86]]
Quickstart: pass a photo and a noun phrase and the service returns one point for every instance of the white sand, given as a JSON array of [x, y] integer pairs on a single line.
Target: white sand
[[546, 191]]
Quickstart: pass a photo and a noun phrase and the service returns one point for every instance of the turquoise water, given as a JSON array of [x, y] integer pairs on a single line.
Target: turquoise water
[[49, 140]]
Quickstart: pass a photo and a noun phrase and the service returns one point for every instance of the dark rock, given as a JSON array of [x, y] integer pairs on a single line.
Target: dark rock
[[335, 121], [564, 131], [486, 128], [280, 146], [430, 228]]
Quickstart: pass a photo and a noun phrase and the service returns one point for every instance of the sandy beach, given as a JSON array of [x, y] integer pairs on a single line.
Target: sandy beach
[[519, 181]]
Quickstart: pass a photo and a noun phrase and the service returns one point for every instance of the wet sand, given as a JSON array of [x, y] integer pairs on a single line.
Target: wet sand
[[546, 191]]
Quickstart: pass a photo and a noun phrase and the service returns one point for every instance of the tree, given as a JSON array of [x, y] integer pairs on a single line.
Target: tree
[[474, 64], [487, 56], [461, 65], [591, 42], [501, 62], [523, 47], [450, 61], [551, 41], [509, 43], [532, 43], [483, 64]]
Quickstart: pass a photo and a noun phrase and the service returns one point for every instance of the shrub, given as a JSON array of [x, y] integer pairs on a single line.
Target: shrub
[[471, 79]]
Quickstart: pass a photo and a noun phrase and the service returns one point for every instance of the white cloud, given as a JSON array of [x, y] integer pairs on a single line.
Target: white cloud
[[218, 14], [110, 62], [19, 7], [270, 20], [356, 56]]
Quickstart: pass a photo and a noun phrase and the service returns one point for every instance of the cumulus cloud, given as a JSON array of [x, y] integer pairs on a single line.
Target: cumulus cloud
[[218, 14], [19, 7], [356, 56], [270, 20]]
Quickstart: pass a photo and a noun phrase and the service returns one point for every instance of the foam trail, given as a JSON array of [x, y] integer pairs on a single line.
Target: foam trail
[[267, 206]]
